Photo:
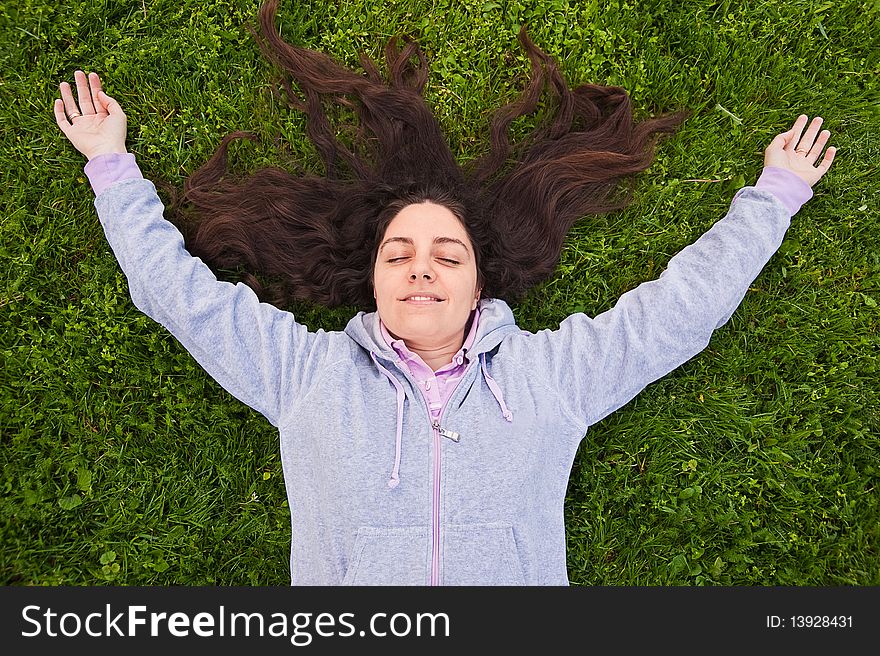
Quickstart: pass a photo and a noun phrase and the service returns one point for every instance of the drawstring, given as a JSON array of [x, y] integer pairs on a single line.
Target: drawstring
[[394, 481], [496, 391]]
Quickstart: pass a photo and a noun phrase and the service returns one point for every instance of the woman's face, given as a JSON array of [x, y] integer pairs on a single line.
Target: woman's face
[[425, 251]]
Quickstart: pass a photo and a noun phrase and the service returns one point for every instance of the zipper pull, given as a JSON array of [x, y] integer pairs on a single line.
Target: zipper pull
[[452, 435]]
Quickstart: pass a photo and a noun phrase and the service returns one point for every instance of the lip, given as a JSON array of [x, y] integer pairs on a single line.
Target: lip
[[422, 303], [426, 293]]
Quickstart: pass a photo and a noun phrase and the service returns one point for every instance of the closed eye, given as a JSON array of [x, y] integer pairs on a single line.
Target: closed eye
[[443, 259]]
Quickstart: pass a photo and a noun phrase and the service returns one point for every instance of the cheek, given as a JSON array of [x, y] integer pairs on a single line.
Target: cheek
[[377, 282], [472, 283], [383, 289]]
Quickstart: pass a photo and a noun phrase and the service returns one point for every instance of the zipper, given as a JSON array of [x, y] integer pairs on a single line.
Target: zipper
[[435, 510], [435, 532], [435, 523], [452, 435], [435, 546], [455, 437]]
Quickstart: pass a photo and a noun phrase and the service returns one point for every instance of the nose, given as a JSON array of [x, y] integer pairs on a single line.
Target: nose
[[421, 269]]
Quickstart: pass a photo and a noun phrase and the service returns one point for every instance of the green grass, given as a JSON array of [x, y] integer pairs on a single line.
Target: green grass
[[755, 463]]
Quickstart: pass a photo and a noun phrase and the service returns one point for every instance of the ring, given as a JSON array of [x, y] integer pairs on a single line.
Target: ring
[[74, 115]]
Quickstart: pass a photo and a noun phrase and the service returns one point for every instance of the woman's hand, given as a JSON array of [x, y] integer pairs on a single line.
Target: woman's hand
[[798, 154], [98, 126]]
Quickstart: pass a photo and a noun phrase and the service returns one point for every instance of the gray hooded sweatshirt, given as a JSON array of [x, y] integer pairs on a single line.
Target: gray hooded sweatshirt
[[479, 495]]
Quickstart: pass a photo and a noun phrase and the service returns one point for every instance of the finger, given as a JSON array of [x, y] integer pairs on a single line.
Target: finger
[[111, 104], [67, 98], [83, 93], [70, 107], [809, 137], [95, 84], [825, 164], [60, 116], [795, 131], [816, 150]]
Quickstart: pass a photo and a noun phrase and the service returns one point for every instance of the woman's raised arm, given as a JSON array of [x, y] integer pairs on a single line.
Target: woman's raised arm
[[601, 363], [255, 351]]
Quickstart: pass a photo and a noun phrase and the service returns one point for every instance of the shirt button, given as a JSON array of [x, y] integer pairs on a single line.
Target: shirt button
[[459, 359], [427, 384]]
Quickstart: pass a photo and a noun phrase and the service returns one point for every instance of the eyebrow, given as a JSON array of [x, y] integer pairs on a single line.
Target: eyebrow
[[437, 240]]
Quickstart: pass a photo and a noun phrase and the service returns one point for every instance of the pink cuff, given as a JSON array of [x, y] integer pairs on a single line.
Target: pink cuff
[[103, 170], [788, 187]]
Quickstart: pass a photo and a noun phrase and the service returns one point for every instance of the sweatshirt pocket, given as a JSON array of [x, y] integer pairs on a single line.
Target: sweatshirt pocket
[[389, 556], [480, 554]]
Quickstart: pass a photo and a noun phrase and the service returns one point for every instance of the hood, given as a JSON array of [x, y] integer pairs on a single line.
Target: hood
[[496, 322]]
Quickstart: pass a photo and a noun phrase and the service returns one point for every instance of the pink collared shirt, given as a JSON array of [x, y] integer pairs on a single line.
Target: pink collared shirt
[[436, 386]]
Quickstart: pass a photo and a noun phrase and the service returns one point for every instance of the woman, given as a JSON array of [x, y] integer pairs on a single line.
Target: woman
[[431, 441]]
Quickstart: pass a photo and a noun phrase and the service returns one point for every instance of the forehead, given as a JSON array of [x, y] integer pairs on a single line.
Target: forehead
[[424, 222]]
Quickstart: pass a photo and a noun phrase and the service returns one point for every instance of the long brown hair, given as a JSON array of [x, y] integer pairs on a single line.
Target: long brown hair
[[314, 237]]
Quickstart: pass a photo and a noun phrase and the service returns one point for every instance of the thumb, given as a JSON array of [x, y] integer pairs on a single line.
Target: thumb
[[779, 141], [109, 103]]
